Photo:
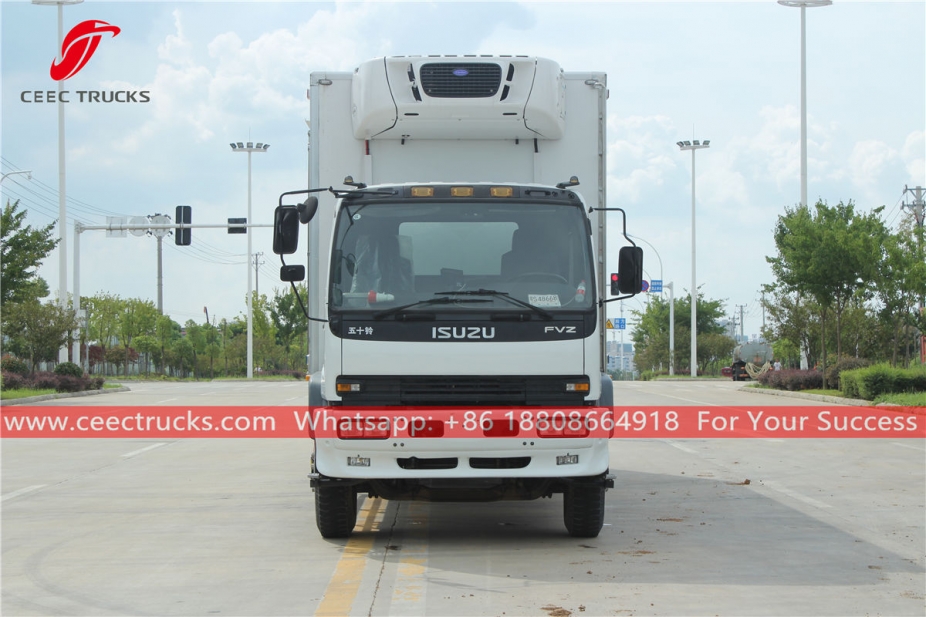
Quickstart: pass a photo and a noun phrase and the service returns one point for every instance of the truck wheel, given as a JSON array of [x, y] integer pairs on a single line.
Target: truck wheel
[[335, 510], [583, 510]]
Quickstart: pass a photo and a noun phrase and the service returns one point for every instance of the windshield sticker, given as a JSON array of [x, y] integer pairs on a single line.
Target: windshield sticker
[[543, 299]]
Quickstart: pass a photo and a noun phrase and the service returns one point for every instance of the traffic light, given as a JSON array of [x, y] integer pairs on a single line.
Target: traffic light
[[182, 235], [615, 287]]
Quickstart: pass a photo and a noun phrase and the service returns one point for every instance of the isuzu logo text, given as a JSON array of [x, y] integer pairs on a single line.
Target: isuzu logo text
[[462, 332], [77, 48]]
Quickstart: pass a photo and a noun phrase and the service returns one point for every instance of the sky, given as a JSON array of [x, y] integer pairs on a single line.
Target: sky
[[221, 72]]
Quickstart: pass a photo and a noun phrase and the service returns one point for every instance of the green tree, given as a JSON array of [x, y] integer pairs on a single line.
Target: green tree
[[194, 334], [290, 324], [22, 248], [166, 331], [103, 313], [146, 344], [184, 354], [651, 332], [36, 330], [901, 283], [793, 322], [829, 254], [138, 317], [212, 348]]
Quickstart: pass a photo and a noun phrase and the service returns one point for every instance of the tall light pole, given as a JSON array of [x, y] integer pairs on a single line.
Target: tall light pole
[[693, 146], [62, 193], [249, 148], [671, 288], [13, 173], [803, 4]]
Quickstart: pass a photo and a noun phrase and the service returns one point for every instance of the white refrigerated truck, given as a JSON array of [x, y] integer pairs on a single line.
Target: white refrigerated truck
[[456, 284]]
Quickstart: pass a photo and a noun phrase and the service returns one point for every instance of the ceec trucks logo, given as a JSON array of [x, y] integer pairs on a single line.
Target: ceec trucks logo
[[79, 46]]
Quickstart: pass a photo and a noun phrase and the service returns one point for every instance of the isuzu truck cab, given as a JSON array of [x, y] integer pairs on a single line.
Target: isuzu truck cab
[[457, 284]]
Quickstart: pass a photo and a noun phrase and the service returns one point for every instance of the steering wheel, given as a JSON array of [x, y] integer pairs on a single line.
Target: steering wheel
[[540, 275]]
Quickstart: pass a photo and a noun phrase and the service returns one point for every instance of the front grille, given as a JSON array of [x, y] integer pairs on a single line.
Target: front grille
[[475, 390], [445, 390], [460, 79]]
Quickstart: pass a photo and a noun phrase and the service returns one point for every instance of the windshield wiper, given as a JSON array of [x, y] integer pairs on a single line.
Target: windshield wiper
[[498, 294], [441, 300]]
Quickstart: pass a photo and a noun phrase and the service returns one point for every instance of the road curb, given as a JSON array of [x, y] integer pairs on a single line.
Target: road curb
[[836, 400], [47, 397]]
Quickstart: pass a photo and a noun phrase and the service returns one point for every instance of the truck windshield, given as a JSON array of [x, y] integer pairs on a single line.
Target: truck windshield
[[388, 255]]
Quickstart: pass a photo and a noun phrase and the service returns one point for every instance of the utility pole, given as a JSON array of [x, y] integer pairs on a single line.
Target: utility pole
[[159, 219], [917, 207], [741, 307], [257, 265]]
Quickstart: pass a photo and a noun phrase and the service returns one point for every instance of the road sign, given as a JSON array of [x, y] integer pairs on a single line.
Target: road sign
[[609, 325], [621, 323], [655, 286], [645, 286], [236, 226]]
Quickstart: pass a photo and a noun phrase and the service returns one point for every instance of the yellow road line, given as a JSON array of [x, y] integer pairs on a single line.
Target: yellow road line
[[348, 573], [410, 590]]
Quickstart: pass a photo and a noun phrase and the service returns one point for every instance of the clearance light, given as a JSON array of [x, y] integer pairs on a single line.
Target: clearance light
[[576, 387], [348, 387], [422, 191], [461, 191], [501, 191]]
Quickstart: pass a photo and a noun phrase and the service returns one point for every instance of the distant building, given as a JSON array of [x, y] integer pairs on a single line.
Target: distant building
[[616, 358]]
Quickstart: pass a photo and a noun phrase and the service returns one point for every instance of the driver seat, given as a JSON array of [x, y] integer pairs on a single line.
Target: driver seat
[[528, 254]]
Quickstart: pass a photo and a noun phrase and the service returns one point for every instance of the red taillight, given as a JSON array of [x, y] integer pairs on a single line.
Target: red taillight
[[562, 426], [426, 428], [364, 428], [503, 428]]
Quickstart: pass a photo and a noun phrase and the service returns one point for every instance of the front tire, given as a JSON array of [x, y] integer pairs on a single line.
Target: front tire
[[583, 510], [335, 510]]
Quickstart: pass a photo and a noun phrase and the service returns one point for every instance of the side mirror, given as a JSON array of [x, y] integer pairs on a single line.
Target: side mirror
[[630, 270], [285, 230], [292, 274], [307, 209]]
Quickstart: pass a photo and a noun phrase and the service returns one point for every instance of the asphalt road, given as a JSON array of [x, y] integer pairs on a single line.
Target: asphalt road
[[226, 527]]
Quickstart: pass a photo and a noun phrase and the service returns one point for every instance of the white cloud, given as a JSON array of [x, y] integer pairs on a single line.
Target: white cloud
[[638, 156], [869, 161], [914, 156]]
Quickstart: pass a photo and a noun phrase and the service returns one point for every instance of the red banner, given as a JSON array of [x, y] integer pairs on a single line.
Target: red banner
[[464, 422]]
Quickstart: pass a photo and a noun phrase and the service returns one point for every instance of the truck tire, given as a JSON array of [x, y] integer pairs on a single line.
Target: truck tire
[[583, 510], [335, 510]]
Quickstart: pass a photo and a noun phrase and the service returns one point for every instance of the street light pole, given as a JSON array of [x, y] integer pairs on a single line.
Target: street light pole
[[654, 251], [13, 173], [62, 193], [671, 288], [803, 4], [249, 148], [693, 146]]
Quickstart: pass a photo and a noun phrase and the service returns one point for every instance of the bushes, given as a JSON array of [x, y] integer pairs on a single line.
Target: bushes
[[13, 381], [50, 381], [69, 368], [845, 364], [880, 379], [9, 364], [792, 379]]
